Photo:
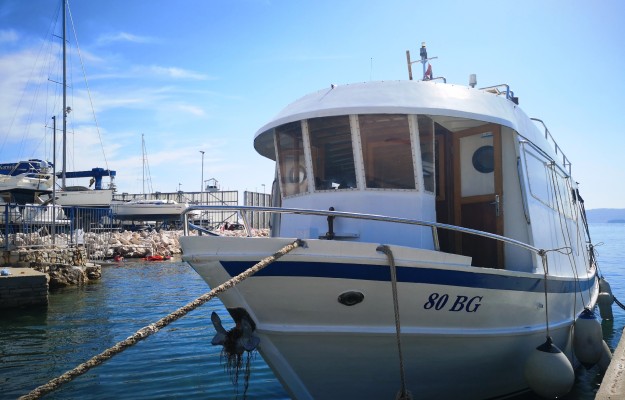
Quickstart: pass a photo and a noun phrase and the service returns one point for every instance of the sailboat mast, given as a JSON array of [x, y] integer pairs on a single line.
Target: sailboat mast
[[143, 153], [64, 100]]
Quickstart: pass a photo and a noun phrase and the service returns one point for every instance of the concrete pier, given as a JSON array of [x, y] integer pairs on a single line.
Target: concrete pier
[[613, 383], [23, 287]]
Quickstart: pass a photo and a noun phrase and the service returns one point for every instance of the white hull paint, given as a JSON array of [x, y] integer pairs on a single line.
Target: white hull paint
[[456, 320], [479, 209], [148, 210], [27, 185], [85, 198]]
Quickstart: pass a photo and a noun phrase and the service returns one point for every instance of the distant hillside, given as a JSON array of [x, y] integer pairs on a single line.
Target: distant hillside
[[600, 215]]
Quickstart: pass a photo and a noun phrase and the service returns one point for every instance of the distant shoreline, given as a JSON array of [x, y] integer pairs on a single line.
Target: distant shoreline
[[606, 215]]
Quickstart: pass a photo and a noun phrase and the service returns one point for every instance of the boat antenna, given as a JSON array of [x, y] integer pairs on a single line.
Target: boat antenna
[[427, 71]]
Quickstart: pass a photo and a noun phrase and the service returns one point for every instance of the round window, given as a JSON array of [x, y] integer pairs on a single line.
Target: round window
[[297, 174], [484, 159]]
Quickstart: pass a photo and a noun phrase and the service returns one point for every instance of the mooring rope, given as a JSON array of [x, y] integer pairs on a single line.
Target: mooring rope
[[403, 393], [618, 302], [155, 327]]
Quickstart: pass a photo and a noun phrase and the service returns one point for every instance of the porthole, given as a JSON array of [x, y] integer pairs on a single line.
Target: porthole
[[297, 174], [484, 159], [351, 298]]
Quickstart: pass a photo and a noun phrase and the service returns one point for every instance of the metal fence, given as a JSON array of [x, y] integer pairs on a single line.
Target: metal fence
[[205, 219], [258, 220], [33, 226]]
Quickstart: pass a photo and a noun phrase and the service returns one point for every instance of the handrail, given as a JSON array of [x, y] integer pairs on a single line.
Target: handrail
[[373, 217], [509, 93], [565, 161], [201, 229]]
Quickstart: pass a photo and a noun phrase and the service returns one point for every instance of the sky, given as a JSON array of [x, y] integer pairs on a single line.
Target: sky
[[205, 75]]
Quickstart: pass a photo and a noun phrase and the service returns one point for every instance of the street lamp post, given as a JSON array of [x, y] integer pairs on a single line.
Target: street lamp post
[[202, 181]]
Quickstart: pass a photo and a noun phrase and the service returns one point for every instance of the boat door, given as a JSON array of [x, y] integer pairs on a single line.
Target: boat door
[[478, 193]]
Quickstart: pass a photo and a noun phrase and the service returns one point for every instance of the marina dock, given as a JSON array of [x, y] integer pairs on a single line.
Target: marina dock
[[613, 383], [23, 287]]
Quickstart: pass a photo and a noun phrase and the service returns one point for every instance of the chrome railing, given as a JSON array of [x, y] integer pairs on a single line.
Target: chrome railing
[[245, 210], [565, 161]]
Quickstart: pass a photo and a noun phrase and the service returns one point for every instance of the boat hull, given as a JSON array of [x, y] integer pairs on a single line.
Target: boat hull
[[85, 198], [466, 332], [148, 212]]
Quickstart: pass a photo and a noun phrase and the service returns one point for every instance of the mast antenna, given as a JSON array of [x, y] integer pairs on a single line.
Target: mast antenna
[[427, 72]]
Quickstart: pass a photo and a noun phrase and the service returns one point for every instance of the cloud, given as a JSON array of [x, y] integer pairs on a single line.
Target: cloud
[[190, 109], [8, 36], [18, 110], [177, 73], [123, 37]]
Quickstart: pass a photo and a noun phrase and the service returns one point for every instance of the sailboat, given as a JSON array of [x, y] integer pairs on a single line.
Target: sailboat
[[148, 209], [80, 196]]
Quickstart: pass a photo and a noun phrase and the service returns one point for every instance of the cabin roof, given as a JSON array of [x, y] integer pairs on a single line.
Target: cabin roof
[[402, 97]]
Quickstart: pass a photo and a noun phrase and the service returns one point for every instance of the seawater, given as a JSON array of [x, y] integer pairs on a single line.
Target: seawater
[[179, 361]]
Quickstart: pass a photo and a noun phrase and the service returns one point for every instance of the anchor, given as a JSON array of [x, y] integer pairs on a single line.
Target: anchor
[[235, 342], [238, 339]]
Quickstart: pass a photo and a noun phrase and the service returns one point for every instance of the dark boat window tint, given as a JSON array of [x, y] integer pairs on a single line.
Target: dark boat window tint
[[426, 139], [387, 151], [484, 159], [332, 154], [293, 179]]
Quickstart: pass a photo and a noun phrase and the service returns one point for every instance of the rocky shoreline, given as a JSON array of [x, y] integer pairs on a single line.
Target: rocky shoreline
[[142, 244], [78, 264], [99, 246]]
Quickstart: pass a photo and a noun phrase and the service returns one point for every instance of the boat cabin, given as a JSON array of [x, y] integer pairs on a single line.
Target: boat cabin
[[418, 150]]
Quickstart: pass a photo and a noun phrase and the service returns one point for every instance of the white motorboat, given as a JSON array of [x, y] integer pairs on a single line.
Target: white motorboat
[[25, 181], [148, 210], [455, 189]]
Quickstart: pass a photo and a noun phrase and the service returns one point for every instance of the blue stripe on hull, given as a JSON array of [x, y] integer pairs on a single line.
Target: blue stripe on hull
[[410, 275]]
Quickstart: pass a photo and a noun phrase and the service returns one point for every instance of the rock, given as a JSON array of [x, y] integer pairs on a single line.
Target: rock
[[62, 276], [93, 272]]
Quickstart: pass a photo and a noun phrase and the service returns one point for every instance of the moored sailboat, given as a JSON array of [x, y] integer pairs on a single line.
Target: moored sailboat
[[148, 209], [442, 240]]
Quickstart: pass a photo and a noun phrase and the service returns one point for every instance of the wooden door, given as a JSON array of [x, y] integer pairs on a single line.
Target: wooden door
[[478, 197]]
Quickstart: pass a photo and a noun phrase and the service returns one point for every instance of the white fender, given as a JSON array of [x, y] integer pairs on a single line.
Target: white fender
[[548, 372], [587, 338]]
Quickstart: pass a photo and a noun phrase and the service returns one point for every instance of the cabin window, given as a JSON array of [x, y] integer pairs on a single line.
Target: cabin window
[[332, 153], [563, 200], [548, 184], [538, 178], [387, 151], [426, 141], [293, 179]]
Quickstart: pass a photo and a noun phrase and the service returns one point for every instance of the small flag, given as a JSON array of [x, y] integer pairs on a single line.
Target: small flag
[[428, 73]]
